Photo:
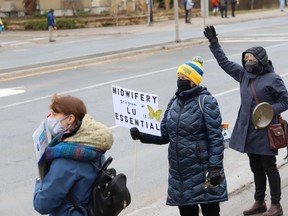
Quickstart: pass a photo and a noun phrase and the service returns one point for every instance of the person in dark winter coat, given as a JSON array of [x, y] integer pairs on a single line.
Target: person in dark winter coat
[[245, 137], [233, 7], [195, 145], [223, 8], [79, 144]]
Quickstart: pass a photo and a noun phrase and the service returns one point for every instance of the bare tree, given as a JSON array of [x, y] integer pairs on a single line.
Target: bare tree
[[29, 6], [74, 5]]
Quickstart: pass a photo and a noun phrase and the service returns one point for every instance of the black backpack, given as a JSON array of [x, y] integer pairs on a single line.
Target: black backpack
[[109, 195]]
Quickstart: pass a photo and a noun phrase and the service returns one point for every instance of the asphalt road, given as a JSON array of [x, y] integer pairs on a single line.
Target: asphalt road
[[25, 50]]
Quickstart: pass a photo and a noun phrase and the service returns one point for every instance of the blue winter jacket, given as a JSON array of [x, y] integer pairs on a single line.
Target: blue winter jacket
[[65, 175], [70, 175], [269, 88], [50, 19], [195, 145]]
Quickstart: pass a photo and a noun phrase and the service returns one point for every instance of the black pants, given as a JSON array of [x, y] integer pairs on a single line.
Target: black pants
[[223, 11], [233, 7], [210, 209], [186, 15], [261, 166]]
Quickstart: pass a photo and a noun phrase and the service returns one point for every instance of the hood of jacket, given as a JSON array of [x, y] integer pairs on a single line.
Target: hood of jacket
[[259, 53], [92, 133]]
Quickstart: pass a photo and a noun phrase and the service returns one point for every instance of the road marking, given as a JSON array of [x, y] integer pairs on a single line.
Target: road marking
[[130, 78], [11, 91], [240, 40]]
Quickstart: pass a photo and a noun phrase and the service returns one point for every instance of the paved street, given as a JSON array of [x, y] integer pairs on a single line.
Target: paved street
[[82, 44]]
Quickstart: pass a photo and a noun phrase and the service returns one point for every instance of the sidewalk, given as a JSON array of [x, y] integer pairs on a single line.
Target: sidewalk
[[32, 49], [243, 198], [239, 200], [38, 37]]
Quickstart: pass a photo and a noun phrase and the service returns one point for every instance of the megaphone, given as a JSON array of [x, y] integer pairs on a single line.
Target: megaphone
[[262, 115]]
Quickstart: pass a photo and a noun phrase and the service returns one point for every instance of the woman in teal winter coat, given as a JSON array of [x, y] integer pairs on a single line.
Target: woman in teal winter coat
[[79, 143], [195, 145]]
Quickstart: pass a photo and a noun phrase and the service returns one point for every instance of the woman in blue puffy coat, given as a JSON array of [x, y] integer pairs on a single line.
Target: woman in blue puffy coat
[[73, 156], [195, 152], [246, 138]]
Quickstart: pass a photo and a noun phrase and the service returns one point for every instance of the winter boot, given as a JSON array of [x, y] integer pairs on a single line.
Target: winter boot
[[274, 210], [258, 207]]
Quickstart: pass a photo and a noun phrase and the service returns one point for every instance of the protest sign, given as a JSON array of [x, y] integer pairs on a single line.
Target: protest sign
[[136, 109], [40, 141]]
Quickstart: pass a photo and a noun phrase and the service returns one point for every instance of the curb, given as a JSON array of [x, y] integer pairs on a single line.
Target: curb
[[42, 68]]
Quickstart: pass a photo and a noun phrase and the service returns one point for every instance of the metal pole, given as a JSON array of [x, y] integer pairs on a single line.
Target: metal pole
[[204, 19], [177, 40], [150, 12], [204, 10]]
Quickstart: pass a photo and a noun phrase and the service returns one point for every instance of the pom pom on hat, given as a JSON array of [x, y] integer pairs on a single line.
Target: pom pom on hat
[[193, 70]]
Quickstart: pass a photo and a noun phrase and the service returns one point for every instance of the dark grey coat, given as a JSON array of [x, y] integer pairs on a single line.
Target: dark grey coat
[[269, 88], [195, 145]]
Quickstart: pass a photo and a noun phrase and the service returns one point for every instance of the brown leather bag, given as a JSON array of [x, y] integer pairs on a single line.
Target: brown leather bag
[[278, 134]]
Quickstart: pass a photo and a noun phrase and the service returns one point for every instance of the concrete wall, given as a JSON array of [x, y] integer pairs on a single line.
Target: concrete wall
[[17, 3], [57, 5]]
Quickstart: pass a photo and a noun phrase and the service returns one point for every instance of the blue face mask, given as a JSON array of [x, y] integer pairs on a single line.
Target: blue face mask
[[54, 126]]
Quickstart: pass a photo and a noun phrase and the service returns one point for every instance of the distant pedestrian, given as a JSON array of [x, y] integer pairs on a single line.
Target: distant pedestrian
[[51, 24], [186, 11], [215, 5], [189, 6], [1, 25], [282, 5], [233, 7], [223, 5]]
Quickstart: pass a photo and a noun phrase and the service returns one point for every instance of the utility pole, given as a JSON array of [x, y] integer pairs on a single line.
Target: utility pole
[[204, 11], [177, 40]]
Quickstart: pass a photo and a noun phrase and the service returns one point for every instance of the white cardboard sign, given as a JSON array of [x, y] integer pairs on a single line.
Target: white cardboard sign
[[136, 109]]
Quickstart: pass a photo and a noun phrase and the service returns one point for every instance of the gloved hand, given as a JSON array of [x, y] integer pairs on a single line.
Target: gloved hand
[[214, 176], [210, 34], [135, 133]]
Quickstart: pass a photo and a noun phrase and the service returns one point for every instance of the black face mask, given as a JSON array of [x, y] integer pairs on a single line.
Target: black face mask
[[183, 85], [253, 67]]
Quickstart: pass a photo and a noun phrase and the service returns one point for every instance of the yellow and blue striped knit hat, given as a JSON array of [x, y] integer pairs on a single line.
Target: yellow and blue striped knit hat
[[193, 69]]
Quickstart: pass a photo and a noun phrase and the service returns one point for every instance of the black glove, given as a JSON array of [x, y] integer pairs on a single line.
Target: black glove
[[135, 133], [210, 34], [214, 176]]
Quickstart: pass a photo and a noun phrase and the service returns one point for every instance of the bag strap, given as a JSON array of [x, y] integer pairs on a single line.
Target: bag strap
[[201, 103], [102, 167], [280, 120], [254, 92], [74, 203]]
